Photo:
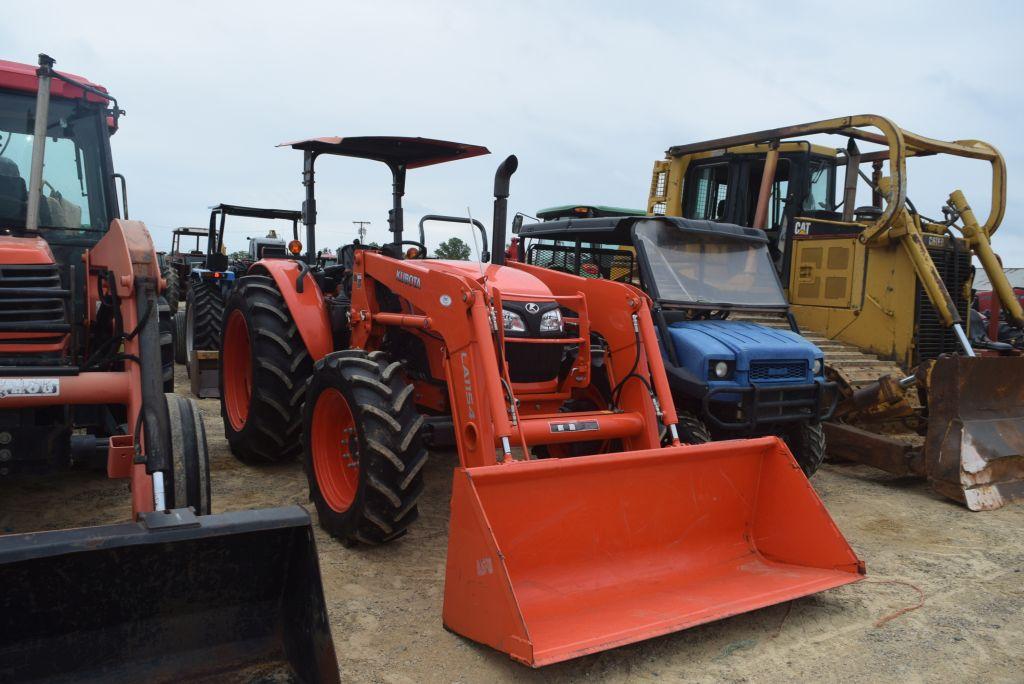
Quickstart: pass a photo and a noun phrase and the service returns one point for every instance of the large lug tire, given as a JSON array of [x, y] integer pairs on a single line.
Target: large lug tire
[[264, 368], [167, 344], [204, 313], [363, 447], [692, 429], [807, 443], [180, 346], [188, 482], [173, 292]]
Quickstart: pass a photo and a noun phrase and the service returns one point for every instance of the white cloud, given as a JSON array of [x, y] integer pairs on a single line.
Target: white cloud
[[587, 94]]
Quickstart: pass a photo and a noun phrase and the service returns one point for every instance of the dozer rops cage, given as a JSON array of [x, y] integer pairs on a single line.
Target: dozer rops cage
[[883, 287]]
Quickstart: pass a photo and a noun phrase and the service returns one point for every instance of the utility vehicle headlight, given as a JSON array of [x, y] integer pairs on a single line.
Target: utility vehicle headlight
[[551, 321], [721, 369], [817, 366], [513, 322]]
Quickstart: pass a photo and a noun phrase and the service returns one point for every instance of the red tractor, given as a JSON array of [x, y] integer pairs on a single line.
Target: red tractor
[[572, 530], [84, 361]]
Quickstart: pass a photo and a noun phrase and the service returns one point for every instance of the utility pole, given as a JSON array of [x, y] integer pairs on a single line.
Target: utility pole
[[362, 230]]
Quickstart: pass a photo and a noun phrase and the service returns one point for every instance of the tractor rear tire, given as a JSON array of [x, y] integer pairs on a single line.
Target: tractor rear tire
[[188, 482], [807, 442], [180, 330], [264, 369], [363, 447], [692, 429], [204, 309], [167, 344], [173, 292]]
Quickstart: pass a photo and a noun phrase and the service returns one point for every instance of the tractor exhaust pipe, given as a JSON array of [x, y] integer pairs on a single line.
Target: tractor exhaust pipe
[[35, 178], [501, 182]]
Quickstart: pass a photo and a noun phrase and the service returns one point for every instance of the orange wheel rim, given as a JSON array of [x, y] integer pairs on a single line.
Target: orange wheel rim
[[332, 439], [237, 370]]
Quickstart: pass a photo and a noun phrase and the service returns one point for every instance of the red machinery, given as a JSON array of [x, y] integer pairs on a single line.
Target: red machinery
[[572, 530], [85, 361]]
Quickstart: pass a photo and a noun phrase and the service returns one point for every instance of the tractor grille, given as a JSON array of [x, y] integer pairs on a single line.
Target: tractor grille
[[955, 270], [778, 371], [32, 299], [594, 262]]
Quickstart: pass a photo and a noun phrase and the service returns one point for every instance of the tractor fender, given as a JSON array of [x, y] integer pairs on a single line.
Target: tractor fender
[[127, 250], [308, 308]]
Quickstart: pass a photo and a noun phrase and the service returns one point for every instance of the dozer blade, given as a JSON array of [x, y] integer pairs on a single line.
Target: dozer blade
[[553, 559], [974, 451], [228, 597]]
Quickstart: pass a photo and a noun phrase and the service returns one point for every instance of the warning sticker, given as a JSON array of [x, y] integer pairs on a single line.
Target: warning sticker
[[29, 387], [574, 426]]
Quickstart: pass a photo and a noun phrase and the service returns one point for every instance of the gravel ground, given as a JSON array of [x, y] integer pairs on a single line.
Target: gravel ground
[[385, 603]]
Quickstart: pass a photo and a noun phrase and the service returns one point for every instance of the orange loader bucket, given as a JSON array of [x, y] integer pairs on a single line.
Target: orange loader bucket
[[553, 559]]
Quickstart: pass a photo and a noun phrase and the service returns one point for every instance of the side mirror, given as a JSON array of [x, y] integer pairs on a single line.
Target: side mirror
[[517, 224]]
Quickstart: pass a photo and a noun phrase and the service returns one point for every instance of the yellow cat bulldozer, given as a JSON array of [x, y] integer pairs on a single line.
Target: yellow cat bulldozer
[[884, 289]]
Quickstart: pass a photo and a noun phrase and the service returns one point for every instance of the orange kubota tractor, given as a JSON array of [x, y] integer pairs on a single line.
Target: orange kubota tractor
[[176, 593], [572, 530]]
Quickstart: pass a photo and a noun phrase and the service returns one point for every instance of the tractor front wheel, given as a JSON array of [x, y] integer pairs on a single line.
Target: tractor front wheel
[[180, 333], [204, 309], [264, 367], [188, 482], [173, 292], [364, 451], [167, 344], [692, 429]]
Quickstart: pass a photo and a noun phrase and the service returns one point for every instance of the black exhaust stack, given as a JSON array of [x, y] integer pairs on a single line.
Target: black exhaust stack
[[501, 182]]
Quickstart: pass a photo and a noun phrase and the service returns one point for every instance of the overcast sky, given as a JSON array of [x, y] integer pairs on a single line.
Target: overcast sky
[[588, 95]]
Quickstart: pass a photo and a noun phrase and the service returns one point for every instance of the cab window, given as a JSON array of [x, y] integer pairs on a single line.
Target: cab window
[[706, 192]]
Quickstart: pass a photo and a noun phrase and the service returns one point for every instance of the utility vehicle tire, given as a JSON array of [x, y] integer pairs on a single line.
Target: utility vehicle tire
[[180, 351], [204, 309], [173, 292], [167, 343], [807, 442], [188, 483], [363, 447], [264, 368], [692, 429]]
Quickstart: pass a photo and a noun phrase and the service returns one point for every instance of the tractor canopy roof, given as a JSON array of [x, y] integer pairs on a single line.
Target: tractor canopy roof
[[190, 230], [586, 211], [619, 230], [256, 212], [17, 76], [411, 153]]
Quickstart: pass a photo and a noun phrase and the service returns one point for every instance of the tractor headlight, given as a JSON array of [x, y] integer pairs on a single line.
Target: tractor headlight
[[721, 369], [551, 321], [817, 366], [512, 321]]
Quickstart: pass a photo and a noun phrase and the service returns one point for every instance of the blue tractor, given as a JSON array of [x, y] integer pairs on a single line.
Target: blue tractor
[[199, 326], [736, 362]]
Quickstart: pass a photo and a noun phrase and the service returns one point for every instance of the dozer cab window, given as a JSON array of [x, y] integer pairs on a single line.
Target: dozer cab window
[[706, 269], [707, 190], [779, 193], [819, 195], [73, 180]]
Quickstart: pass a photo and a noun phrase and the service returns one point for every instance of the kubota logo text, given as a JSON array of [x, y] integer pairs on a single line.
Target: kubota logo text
[[468, 383], [408, 278]]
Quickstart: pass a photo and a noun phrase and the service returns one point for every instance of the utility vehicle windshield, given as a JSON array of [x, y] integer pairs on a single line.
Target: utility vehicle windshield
[[73, 180], [707, 269]]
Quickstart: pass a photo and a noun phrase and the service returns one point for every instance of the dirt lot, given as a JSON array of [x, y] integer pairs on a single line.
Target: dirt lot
[[385, 603]]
